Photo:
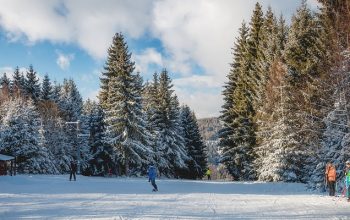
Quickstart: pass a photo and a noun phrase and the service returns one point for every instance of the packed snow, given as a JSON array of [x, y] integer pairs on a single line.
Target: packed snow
[[54, 197]]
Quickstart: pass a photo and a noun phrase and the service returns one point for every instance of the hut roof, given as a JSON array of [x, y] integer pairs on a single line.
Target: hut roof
[[6, 157]]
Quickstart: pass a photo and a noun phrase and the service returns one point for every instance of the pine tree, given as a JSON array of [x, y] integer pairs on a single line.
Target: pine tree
[[234, 74], [5, 87], [170, 149], [271, 116], [20, 138], [125, 125], [115, 55], [56, 91], [176, 148], [84, 154], [17, 84], [254, 77], [274, 132], [151, 105], [32, 86], [331, 151], [58, 143], [70, 105], [269, 45], [237, 138], [154, 114], [303, 55], [281, 38], [338, 15], [46, 90], [102, 154], [194, 145], [70, 101], [335, 139]]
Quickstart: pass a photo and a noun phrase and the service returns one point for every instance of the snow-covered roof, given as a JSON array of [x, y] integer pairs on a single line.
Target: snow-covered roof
[[5, 157]]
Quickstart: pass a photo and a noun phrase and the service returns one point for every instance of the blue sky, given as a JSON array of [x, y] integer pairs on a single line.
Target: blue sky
[[191, 38]]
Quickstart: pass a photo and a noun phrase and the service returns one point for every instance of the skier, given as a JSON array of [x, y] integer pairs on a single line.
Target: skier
[[330, 175], [347, 179], [73, 170], [152, 174], [208, 173]]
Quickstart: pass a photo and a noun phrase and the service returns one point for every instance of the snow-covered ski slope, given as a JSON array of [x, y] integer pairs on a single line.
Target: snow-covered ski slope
[[54, 197]]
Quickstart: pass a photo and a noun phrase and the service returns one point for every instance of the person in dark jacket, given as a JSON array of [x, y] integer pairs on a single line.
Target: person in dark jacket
[[152, 174], [73, 170]]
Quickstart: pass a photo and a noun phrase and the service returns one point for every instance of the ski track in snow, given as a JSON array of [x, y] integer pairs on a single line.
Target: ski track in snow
[[54, 197]]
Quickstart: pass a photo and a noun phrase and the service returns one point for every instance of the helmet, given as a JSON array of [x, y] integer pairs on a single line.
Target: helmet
[[347, 162]]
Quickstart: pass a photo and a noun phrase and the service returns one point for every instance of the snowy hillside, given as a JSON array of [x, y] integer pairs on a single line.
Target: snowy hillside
[[54, 197]]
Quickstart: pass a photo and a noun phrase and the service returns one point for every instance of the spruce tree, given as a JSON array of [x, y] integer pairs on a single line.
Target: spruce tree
[[56, 90], [70, 105], [70, 101], [303, 55], [237, 138], [170, 149], [335, 137], [194, 145], [274, 152], [338, 15], [32, 86], [17, 85], [46, 89], [331, 150], [176, 151], [254, 77], [20, 138], [125, 125], [271, 116], [281, 38], [268, 47], [151, 105], [155, 122], [102, 153], [5, 87]]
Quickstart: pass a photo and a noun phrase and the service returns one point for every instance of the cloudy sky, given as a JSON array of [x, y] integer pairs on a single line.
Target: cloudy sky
[[191, 38]]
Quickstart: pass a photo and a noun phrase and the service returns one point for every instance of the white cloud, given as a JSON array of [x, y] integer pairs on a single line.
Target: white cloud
[[200, 93], [6, 69], [88, 77], [148, 57], [200, 30], [88, 23], [93, 95], [64, 60], [205, 104], [197, 82]]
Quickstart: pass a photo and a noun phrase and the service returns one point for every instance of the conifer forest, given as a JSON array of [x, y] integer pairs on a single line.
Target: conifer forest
[[286, 110]]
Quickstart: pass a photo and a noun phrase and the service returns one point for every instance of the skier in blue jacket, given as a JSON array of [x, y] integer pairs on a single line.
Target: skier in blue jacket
[[152, 174]]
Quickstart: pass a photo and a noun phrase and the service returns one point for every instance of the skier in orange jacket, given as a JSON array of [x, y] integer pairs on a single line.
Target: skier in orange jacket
[[331, 175]]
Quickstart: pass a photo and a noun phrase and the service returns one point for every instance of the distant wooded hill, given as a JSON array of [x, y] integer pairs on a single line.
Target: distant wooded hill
[[209, 128]]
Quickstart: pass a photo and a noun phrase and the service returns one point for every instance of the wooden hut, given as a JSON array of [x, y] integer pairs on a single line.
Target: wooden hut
[[7, 165]]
